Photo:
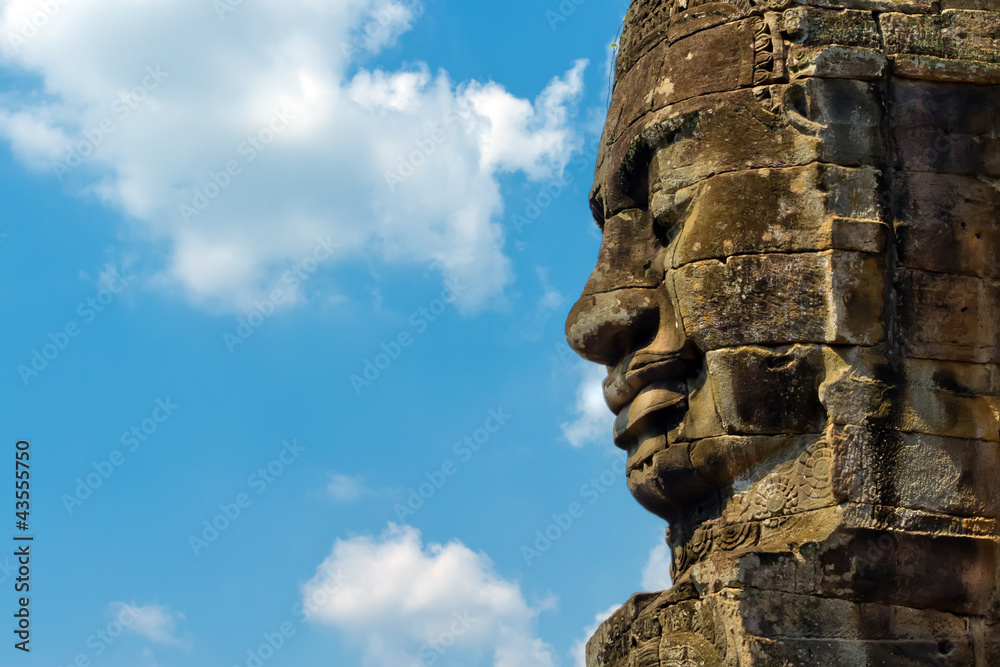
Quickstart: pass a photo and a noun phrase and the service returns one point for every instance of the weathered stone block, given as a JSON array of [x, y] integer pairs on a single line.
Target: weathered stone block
[[954, 35], [949, 317], [959, 378], [691, 67], [843, 653], [702, 419], [904, 570], [759, 628], [833, 44], [772, 614], [815, 207], [811, 26], [980, 5], [949, 224], [767, 391], [916, 471], [836, 121], [631, 255], [946, 128], [609, 646], [716, 60], [725, 459], [939, 398], [827, 297], [942, 69], [907, 6], [817, 120], [837, 62]]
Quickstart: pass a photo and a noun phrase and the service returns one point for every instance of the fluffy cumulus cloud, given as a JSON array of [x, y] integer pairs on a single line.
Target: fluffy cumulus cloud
[[409, 604], [592, 420], [237, 136]]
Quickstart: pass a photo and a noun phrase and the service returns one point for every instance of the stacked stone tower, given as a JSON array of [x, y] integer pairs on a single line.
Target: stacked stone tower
[[798, 300]]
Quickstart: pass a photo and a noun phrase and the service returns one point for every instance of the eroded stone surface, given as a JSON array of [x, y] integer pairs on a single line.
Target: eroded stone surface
[[798, 301], [827, 297]]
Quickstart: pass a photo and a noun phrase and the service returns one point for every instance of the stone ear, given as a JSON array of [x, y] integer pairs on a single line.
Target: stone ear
[[795, 104]]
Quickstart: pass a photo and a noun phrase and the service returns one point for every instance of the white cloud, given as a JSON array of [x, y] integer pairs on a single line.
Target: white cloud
[[525, 136], [345, 488], [154, 99], [579, 650], [593, 421], [404, 602], [386, 21], [154, 622], [656, 573]]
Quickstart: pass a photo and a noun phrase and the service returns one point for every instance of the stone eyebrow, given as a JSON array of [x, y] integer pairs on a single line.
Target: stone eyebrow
[[626, 182]]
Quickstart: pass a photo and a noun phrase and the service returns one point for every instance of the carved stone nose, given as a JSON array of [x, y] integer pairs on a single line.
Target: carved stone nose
[[604, 327], [619, 309]]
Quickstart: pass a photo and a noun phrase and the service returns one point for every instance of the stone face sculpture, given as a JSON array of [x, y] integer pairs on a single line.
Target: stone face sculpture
[[798, 300]]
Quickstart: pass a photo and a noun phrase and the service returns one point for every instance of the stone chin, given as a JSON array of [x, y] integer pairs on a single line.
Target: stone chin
[[661, 477], [660, 474]]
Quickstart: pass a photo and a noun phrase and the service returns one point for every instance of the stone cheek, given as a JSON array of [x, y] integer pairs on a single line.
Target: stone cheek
[[802, 201], [797, 209], [773, 299]]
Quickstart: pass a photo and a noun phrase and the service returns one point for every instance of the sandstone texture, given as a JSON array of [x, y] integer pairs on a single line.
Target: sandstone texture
[[798, 302]]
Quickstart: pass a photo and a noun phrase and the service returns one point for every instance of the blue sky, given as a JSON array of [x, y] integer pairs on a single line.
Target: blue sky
[[284, 289]]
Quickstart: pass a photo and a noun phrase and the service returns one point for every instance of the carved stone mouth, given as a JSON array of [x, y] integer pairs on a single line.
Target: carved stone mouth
[[656, 409], [641, 456], [637, 372]]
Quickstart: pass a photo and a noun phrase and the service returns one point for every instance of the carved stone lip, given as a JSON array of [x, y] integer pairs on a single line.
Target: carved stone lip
[[659, 401], [644, 453], [636, 372]]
